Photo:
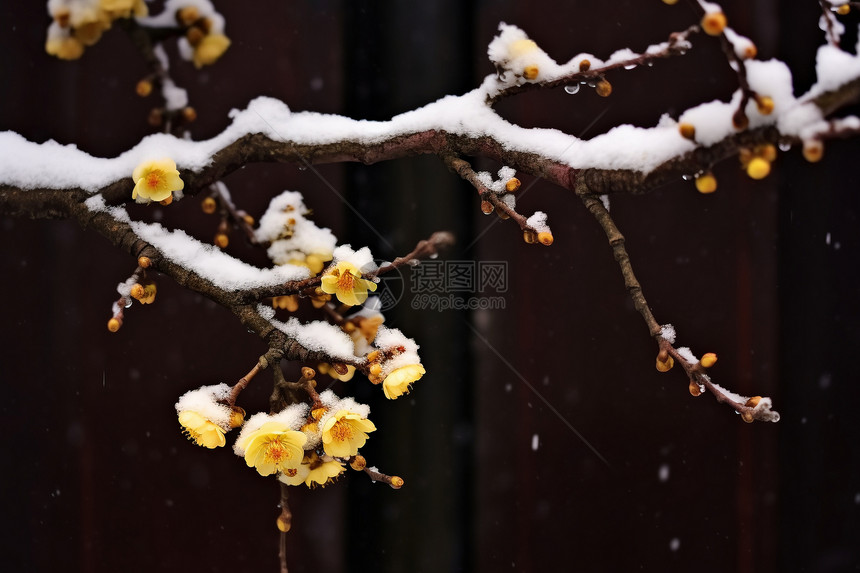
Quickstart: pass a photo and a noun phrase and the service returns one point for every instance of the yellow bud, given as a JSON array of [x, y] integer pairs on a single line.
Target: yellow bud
[[764, 104], [195, 35], [709, 359], [349, 327], [758, 168], [222, 240], [340, 368], [138, 291], [317, 413], [486, 207], [143, 88], [249, 220], [397, 482], [766, 151], [713, 23], [237, 417], [189, 114], [529, 236], [584, 65], [753, 402], [706, 183], [750, 52], [187, 15], [308, 373], [545, 238], [740, 119], [114, 324], [813, 150], [144, 262], [603, 88], [530, 72], [687, 130], [283, 523], [155, 117], [209, 205], [376, 369], [665, 365], [695, 389], [512, 185], [358, 463], [167, 201], [844, 9], [747, 417]]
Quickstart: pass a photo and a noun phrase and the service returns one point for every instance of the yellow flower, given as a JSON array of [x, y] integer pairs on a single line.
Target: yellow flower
[[397, 383], [345, 281], [344, 432], [156, 180], [274, 447], [313, 471], [201, 430], [210, 48]]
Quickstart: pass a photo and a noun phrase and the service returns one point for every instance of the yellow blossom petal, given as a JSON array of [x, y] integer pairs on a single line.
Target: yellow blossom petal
[[344, 433], [397, 383], [156, 180], [274, 447], [313, 471], [204, 432], [210, 48]]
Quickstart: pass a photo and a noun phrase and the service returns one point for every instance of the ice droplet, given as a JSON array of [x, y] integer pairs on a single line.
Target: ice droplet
[[784, 146], [571, 88], [686, 177], [674, 544], [630, 67], [535, 442]]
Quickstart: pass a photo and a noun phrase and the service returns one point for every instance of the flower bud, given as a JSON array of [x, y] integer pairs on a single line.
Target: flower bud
[[209, 204], [340, 368], [706, 183], [512, 185], [137, 291], [843, 9], [708, 360], [317, 413], [753, 402], [144, 262], [143, 88], [758, 168], [813, 150], [396, 482], [545, 238], [237, 417], [530, 72], [687, 131], [747, 417], [665, 365], [529, 236], [713, 23], [189, 114], [114, 324], [222, 240], [195, 35], [695, 389], [764, 104], [603, 88], [486, 207], [358, 463], [584, 65], [187, 15], [308, 373], [283, 523]]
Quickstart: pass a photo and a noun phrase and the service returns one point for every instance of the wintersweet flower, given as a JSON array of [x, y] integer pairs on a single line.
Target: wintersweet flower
[[156, 180], [344, 433], [313, 471], [202, 430], [274, 447], [210, 48], [397, 383], [346, 283]]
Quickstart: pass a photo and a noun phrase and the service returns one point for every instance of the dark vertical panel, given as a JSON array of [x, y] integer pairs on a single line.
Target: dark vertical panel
[[400, 56]]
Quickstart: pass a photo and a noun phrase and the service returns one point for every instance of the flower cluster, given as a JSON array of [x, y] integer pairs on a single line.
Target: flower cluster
[[205, 417], [80, 23], [204, 41]]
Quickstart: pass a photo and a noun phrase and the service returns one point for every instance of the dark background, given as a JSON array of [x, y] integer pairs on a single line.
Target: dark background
[[98, 478]]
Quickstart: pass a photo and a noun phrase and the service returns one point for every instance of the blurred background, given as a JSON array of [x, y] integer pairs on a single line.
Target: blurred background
[[542, 436]]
